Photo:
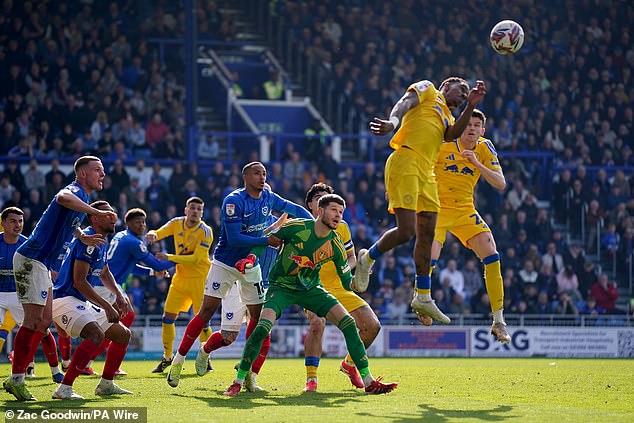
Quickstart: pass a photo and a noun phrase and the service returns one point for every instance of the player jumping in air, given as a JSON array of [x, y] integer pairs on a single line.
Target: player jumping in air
[[410, 183], [458, 168], [294, 279]]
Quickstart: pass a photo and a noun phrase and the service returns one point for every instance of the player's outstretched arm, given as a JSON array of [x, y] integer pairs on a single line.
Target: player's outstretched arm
[[237, 239], [67, 199], [476, 95], [384, 127]]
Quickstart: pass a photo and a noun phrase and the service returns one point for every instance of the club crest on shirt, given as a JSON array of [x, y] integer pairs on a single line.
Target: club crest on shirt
[[143, 248], [215, 286], [44, 294], [265, 210], [73, 188], [230, 209], [229, 316]]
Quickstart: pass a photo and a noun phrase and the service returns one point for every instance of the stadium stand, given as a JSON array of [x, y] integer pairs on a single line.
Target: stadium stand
[[85, 77]]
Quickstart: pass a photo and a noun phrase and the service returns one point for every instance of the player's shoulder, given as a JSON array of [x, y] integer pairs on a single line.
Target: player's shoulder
[[343, 229], [297, 222], [176, 220], [22, 239], [422, 86], [486, 144], [205, 228], [449, 147], [236, 194]]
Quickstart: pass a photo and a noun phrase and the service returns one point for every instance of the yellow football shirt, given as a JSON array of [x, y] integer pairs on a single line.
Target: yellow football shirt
[[457, 177], [328, 274], [191, 246], [423, 127]]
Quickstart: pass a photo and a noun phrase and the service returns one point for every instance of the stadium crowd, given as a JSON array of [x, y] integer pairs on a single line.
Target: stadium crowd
[[82, 78]]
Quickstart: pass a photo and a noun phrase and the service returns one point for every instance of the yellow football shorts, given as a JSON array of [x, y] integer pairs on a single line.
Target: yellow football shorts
[[184, 293], [408, 185], [463, 223]]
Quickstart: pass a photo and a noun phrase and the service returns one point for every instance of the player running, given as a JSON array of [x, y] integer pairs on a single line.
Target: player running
[[294, 279], [458, 168], [244, 215], [33, 259], [365, 319], [126, 250], [409, 177], [192, 240], [81, 312]]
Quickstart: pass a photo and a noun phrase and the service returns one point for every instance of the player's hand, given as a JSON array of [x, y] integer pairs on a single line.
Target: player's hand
[[477, 93], [470, 155], [111, 314], [112, 216], [122, 303], [161, 255], [381, 126], [162, 274], [151, 237], [93, 240], [275, 241]]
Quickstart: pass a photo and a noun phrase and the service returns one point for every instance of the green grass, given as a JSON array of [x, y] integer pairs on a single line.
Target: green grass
[[431, 389]]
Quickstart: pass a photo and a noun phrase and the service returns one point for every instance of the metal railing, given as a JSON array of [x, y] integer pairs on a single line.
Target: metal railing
[[513, 320]]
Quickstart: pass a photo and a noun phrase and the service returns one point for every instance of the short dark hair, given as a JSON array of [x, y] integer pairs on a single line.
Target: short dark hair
[[83, 161], [6, 212], [453, 80], [250, 165], [315, 189], [477, 113], [196, 200], [134, 213], [331, 198], [100, 204]]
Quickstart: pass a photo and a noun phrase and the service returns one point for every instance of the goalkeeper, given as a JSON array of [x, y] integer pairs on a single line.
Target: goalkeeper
[[294, 279]]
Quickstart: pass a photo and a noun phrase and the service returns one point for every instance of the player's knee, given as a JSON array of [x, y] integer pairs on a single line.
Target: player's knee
[[95, 336], [229, 337], [317, 325]]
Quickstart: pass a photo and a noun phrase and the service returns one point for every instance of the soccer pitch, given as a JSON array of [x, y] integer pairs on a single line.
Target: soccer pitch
[[430, 389]]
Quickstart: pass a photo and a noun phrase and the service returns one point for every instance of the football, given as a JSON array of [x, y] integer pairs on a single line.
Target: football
[[507, 37]]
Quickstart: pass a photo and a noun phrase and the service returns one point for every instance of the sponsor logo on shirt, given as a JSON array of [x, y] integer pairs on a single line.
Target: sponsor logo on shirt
[[302, 261]]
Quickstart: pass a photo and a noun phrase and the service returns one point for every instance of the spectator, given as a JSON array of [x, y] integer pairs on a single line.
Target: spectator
[[605, 293], [209, 148], [398, 308], [274, 87], [552, 258], [473, 282], [568, 283], [528, 275], [455, 277], [34, 178], [155, 131]]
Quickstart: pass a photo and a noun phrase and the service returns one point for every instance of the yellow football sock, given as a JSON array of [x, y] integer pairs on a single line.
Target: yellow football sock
[[311, 363], [168, 335], [493, 280], [349, 360], [204, 335]]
